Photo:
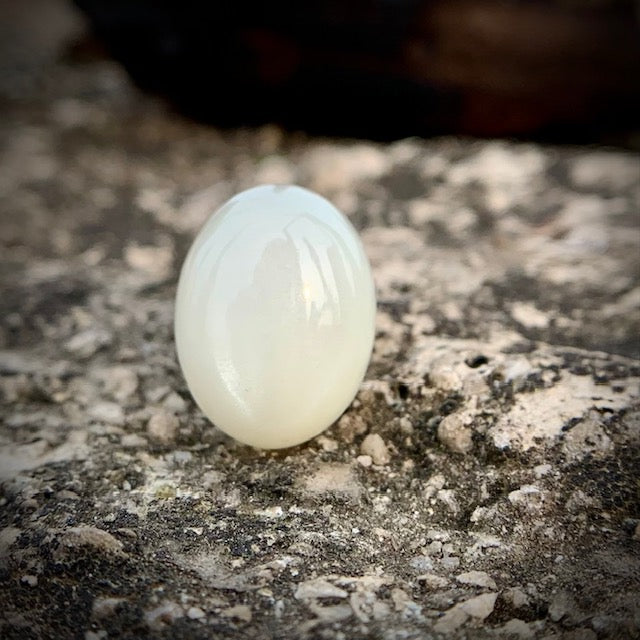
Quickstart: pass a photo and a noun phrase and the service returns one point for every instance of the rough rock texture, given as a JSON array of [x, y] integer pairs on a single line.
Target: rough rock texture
[[507, 277]]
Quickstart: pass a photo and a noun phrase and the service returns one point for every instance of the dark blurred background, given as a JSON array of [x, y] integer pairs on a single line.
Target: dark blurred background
[[555, 70]]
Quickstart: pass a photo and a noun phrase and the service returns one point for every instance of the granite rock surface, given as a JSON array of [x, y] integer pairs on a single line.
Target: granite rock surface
[[484, 483]]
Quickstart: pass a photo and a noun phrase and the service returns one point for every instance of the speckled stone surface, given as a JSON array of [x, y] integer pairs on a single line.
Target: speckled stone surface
[[485, 481]]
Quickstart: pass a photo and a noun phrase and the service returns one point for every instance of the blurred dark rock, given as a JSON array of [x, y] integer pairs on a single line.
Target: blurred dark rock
[[387, 68]]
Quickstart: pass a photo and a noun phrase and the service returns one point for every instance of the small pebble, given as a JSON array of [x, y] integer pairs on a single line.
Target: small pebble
[[327, 444], [542, 470], [195, 613], [479, 607], [373, 445], [518, 597], [516, 628], [108, 412], [174, 402], [318, 588], [120, 382], [477, 578], [163, 427], [351, 426], [331, 613], [365, 461], [405, 425], [86, 536], [239, 612], [133, 441], [88, 342], [454, 434], [446, 379], [381, 610]]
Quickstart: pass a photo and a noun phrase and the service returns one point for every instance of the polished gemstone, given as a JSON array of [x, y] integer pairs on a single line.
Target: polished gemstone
[[275, 314]]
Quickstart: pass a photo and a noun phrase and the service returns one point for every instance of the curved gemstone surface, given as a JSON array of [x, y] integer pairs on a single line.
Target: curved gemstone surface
[[275, 314]]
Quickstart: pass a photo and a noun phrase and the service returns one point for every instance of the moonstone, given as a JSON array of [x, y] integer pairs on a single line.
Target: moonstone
[[275, 315]]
